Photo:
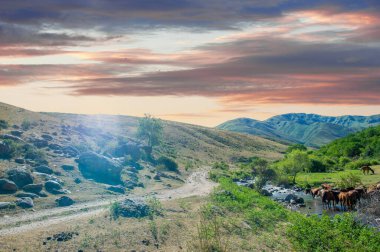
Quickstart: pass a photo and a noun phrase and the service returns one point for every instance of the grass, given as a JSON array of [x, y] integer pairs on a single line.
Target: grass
[[317, 179]]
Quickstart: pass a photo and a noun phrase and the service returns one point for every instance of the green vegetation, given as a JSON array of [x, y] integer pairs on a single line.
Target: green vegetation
[[168, 164], [341, 233], [3, 124], [150, 130], [25, 125], [294, 163]]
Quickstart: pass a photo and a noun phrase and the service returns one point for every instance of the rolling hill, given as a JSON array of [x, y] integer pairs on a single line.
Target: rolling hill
[[309, 129]]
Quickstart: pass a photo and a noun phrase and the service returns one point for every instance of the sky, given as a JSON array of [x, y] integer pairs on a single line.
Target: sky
[[194, 61]]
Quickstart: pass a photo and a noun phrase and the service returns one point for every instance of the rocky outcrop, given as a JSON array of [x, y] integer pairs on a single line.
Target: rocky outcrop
[[25, 202], [99, 168], [7, 186], [131, 149], [132, 208], [20, 177], [17, 133], [39, 142], [47, 137], [70, 151], [68, 167], [64, 201], [10, 137], [26, 195], [5, 150], [6, 205], [33, 188], [117, 188], [44, 169]]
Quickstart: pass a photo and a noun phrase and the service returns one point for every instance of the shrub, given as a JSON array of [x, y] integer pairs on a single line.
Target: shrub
[[25, 125], [115, 210], [348, 180], [3, 124], [169, 163], [221, 165], [341, 233]]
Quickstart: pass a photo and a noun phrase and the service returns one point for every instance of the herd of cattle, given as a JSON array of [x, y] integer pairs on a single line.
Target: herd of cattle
[[347, 198]]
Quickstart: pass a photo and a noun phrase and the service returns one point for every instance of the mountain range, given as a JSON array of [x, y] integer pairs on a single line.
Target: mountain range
[[310, 129]]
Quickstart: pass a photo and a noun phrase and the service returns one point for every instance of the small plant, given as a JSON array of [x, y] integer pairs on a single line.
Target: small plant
[[155, 206], [25, 125], [221, 165], [3, 124], [115, 210]]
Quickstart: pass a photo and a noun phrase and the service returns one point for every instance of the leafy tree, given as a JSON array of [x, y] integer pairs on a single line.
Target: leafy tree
[[150, 130], [296, 147], [296, 161]]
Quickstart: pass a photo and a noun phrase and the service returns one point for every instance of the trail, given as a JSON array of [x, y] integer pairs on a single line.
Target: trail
[[196, 184]]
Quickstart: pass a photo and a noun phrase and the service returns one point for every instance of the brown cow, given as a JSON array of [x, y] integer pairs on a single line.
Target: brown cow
[[328, 198], [343, 199], [352, 197], [314, 192]]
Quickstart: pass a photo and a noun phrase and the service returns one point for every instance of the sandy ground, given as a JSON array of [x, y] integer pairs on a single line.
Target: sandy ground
[[196, 184]]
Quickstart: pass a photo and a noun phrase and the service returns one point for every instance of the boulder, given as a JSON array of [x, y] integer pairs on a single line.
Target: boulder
[[70, 151], [26, 195], [7, 186], [55, 146], [25, 202], [47, 177], [20, 160], [53, 187], [10, 137], [132, 149], [17, 133], [100, 168], [133, 208], [33, 188], [294, 198], [130, 184], [77, 180], [5, 150], [44, 169], [68, 167], [43, 194], [20, 176], [6, 205], [47, 137], [64, 201], [38, 142], [266, 193], [116, 188]]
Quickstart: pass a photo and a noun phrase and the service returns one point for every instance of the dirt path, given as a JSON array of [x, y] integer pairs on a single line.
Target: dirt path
[[196, 184]]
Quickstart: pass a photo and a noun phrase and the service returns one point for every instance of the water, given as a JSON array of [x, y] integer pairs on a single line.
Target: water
[[313, 206]]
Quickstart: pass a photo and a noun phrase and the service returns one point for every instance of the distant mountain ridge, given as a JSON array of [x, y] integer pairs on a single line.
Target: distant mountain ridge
[[310, 129]]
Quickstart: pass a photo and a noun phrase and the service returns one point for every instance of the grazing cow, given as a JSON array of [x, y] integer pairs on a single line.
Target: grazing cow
[[366, 169], [328, 198]]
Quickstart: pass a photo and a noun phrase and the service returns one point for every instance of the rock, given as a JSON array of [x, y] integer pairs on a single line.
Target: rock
[[38, 142], [6, 205], [117, 188], [44, 169], [130, 184], [290, 197], [55, 146], [47, 137], [133, 208], [100, 168], [64, 201], [62, 237], [132, 149], [5, 150], [10, 137], [300, 200], [43, 194], [266, 193], [25, 202], [33, 188], [20, 176], [20, 160], [47, 177], [70, 151], [157, 176], [7, 186], [77, 180], [53, 187], [27, 195], [17, 133], [68, 167]]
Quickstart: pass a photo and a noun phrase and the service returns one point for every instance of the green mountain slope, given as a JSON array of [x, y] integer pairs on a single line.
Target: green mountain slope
[[310, 129]]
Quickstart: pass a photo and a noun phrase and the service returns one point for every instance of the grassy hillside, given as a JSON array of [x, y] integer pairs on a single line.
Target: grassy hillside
[[309, 129], [190, 146]]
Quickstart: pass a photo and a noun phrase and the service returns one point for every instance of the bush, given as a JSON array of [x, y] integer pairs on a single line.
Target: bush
[[168, 163], [115, 210], [25, 125], [221, 165], [3, 124], [341, 233], [348, 180]]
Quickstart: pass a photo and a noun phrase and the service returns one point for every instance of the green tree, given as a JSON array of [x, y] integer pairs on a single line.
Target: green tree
[[296, 161], [150, 130], [296, 147]]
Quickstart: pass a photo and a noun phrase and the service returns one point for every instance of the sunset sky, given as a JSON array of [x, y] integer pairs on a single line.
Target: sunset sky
[[196, 61]]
